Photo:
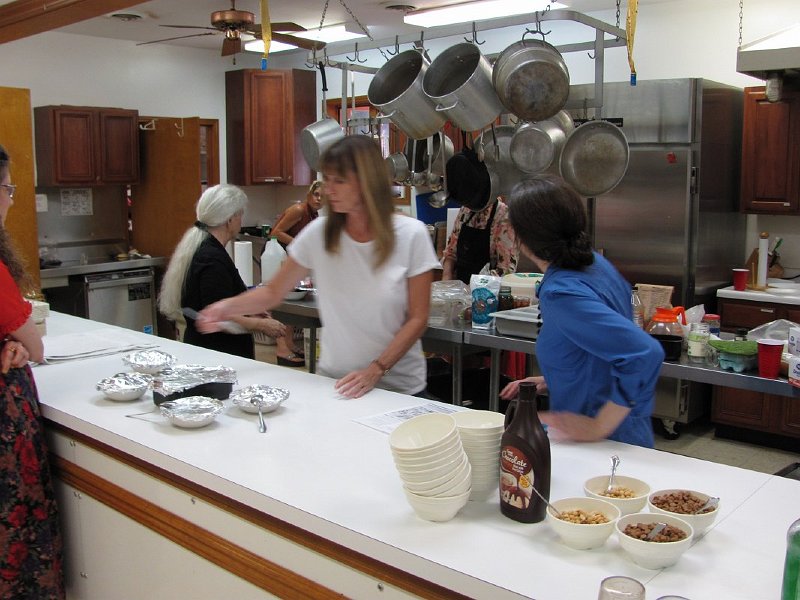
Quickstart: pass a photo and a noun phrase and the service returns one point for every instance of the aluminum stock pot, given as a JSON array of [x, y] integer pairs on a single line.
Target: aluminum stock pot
[[594, 158], [459, 82], [396, 91], [536, 147], [531, 79], [316, 138]]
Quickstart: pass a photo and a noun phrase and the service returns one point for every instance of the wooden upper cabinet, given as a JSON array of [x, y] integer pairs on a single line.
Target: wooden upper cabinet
[[265, 112], [86, 145], [771, 153]]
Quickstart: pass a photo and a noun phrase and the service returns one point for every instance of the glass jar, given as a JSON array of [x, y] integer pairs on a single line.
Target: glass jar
[[698, 342], [506, 300], [713, 323]]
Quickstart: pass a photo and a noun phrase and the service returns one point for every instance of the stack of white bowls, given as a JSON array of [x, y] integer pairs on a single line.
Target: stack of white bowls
[[436, 473], [481, 432]]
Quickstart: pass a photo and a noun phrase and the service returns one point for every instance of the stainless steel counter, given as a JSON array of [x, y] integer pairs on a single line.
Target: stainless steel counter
[[58, 276]]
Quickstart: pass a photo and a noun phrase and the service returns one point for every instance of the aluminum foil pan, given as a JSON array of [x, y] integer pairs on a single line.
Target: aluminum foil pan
[[149, 361], [125, 386], [249, 398], [191, 412], [181, 377]]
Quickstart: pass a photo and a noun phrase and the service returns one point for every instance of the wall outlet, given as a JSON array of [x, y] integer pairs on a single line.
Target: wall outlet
[[41, 203]]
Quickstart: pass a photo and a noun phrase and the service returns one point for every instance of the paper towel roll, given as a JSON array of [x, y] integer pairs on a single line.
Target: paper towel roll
[[243, 259], [451, 220], [763, 254]]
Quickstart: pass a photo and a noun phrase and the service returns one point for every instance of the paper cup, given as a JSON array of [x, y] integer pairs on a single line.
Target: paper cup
[[740, 279], [769, 357]]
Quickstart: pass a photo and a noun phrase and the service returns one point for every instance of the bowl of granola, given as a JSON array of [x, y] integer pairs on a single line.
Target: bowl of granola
[[583, 523], [628, 494]]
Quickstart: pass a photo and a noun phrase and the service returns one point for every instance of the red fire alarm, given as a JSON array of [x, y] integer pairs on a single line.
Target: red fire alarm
[[671, 158]]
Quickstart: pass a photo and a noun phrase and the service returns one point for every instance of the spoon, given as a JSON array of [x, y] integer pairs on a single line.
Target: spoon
[[553, 508], [614, 465], [656, 530], [262, 426], [710, 503]]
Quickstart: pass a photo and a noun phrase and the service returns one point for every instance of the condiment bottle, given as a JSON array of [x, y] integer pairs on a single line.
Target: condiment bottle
[[506, 300], [524, 460], [713, 323], [637, 308], [791, 567]]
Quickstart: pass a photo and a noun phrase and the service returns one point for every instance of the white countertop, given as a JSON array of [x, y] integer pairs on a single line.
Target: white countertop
[[318, 469], [778, 291]]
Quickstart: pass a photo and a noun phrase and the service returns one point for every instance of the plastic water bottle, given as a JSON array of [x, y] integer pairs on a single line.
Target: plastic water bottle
[[271, 259], [791, 579], [638, 309]]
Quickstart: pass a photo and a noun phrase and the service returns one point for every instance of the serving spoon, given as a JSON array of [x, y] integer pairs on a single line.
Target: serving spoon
[[614, 465], [262, 426], [553, 508], [712, 502], [659, 527]]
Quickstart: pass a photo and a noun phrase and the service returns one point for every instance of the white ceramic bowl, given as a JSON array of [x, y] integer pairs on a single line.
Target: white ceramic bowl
[[595, 485], [429, 460], [434, 486], [484, 442], [124, 387], [698, 522], [296, 295], [581, 536], [436, 509], [418, 475], [480, 420], [456, 486], [191, 412], [653, 555], [423, 433]]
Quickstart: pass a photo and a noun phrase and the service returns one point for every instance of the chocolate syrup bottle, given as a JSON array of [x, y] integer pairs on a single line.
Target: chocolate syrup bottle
[[524, 460]]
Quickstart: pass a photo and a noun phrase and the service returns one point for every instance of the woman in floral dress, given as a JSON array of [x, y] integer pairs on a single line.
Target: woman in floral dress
[[30, 540]]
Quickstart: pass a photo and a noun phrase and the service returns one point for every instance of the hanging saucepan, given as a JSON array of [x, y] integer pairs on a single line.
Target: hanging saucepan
[[531, 79], [321, 135], [397, 165], [536, 147], [459, 82], [396, 90], [497, 155], [441, 197], [594, 158]]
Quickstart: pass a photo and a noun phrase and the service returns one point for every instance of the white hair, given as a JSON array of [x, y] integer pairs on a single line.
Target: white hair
[[215, 207]]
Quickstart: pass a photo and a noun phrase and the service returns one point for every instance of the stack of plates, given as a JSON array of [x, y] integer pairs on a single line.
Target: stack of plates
[[481, 432], [436, 473]]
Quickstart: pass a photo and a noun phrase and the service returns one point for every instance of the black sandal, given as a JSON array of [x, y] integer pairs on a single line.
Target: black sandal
[[293, 360]]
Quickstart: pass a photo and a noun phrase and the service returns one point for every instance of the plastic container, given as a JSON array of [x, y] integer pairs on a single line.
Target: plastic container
[[637, 308], [791, 567], [523, 284], [271, 259], [713, 323], [698, 342], [737, 362]]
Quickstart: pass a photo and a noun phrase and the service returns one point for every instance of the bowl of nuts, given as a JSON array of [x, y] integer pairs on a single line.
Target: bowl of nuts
[[664, 549], [628, 494], [583, 523], [693, 507]]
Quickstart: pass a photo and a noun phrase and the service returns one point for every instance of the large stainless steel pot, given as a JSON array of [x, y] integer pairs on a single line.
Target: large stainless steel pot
[[497, 156], [531, 79], [397, 165], [595, 158], [459, 82], [536, 147], [396, 90], [316, 138]]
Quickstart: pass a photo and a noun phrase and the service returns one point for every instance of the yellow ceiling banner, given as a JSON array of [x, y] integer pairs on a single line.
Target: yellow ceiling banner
[[266, 33]]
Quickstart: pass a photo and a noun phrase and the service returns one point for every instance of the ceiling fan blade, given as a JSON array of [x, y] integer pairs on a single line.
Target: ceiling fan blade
[[189, 27], [298, 41], [231, 46], [180, 37], [286, 26]]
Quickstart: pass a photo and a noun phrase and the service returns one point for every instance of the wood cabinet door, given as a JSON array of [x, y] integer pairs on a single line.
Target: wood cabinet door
[[118, 146], [790, 418], [771, 153], [735, 314], [265, 138], [742, 408], [74, 148]]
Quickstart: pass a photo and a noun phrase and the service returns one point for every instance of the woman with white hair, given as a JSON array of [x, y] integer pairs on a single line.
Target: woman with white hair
[[201, 272]]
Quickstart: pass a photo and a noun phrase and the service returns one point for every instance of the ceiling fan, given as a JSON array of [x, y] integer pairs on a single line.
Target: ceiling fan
[[232, 23]]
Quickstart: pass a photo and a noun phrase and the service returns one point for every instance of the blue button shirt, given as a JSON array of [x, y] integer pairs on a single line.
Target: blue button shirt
[[590, 351]]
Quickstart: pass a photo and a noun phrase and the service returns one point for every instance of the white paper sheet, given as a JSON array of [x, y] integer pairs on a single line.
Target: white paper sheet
[[387, 422]]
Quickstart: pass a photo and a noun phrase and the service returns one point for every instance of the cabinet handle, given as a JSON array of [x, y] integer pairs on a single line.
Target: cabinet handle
[[767, 310]]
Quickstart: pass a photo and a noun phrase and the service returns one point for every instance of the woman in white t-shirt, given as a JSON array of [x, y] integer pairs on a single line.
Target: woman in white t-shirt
[[372, 269]]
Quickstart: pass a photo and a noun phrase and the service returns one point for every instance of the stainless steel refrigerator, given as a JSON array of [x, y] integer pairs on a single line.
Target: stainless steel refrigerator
[[674, 218]]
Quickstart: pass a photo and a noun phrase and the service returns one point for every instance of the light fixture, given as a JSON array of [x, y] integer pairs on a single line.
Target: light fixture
[[476, 11], [336, 33]]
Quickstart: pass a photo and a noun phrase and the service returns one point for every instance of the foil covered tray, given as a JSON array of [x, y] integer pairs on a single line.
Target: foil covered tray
[[124, 387], [191, 412], [149, 361], [193, 380], [251, 397]]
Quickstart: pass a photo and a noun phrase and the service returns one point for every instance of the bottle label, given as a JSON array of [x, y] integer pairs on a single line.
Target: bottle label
[[516, 478]]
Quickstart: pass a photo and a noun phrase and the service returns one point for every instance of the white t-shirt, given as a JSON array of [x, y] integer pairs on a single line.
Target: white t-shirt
[[362, 308]]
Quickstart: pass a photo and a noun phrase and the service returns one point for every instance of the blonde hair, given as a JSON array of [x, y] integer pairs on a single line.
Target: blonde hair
[[216, 206], [314, 187], [361, 155]]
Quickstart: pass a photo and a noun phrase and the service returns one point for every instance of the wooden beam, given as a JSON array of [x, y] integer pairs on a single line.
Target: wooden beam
[[23, 18]]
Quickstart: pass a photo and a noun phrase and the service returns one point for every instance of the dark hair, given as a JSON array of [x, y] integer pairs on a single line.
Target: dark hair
[[8, 254], [549, 218]]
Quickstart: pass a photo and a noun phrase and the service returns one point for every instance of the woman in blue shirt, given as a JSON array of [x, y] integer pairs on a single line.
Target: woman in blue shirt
[[599, 368]]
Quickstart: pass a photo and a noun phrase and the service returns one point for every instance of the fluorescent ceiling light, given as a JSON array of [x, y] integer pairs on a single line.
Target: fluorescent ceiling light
[[337, 33], [476, 11]]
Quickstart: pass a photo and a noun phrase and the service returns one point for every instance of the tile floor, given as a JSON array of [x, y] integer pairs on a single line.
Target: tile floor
[[696, 440]]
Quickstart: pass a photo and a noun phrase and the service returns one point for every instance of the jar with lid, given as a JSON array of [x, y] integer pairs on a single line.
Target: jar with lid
[[506, 299], [713, 323], [741, 333], [698, 342]]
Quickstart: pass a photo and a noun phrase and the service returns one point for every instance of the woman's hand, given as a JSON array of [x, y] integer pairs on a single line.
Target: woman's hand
[[512, 389], [211, 318], [13, 356], [357, 383], [271, 327]]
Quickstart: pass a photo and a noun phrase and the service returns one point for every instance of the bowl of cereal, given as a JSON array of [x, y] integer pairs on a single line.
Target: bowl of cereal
[[583, 523], [685, 505], [664, 549], [629, 494]]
